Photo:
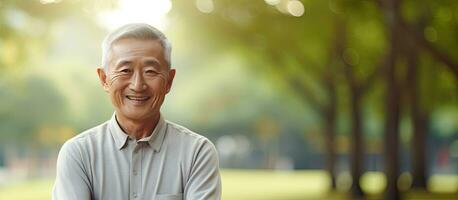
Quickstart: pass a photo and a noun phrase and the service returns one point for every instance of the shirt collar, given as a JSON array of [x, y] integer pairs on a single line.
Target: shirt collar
[[154, 140]]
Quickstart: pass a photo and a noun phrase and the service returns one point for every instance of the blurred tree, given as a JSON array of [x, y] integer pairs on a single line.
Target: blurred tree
[[420, 113], [260, 32], [357, 89], [261, 29], [36, 102], [420, 119], [404, 44], [292, 49], [423, 94], [361, 61]]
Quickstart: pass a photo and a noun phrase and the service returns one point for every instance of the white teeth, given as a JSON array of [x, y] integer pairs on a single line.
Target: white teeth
[[137, 98]]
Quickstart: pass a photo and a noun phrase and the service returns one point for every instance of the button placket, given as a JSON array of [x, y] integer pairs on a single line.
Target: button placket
[[136, 165]]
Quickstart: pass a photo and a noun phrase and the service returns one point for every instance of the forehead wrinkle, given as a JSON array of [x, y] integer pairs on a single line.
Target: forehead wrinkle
[[136, 46], [131, 60]]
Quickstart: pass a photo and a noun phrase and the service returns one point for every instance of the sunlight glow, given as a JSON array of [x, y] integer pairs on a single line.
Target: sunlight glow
[[289, 7], [295, 8], [152, 12], [205, 6], [49, 1], [272, 2], [282, 6]]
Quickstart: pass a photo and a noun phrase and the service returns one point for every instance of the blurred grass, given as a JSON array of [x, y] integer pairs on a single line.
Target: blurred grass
[[265, 184], [256, 185], [30, 190]]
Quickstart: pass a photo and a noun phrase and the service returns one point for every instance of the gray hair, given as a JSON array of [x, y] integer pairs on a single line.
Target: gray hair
[[135, 31]]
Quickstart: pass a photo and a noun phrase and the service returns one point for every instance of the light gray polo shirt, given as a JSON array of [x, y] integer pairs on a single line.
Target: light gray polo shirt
[[104, 163]]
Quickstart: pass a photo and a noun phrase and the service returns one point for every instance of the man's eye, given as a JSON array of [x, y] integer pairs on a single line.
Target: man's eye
[[151, 72], [125, 71]]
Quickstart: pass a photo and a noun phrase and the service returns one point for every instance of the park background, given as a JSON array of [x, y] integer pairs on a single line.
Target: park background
[[304, 99]]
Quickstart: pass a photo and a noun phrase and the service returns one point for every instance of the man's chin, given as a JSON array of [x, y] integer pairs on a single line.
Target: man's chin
[[139, 116]]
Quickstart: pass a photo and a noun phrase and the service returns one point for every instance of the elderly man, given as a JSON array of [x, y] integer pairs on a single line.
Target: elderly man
[[137, 154]]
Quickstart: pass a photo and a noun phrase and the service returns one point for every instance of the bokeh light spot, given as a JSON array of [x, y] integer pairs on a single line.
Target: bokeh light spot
[[49, 1], [205, 6], [351, 57], [373, 182], [430, 34], [404, 181], [344, 181], [272, 2], [295, 8]]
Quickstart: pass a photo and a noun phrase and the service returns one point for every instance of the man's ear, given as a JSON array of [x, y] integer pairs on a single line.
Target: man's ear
[[170, 79], [103, 78]]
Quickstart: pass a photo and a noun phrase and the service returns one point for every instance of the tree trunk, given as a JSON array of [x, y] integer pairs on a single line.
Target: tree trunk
[[356, 151], [330, 113], [420, 119], [392, 107], [330, 146], [357, 156], [327, 112], [391, 132], [419, 150], [392, 124]]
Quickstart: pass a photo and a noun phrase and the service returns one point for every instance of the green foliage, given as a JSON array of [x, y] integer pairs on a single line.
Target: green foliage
[[30, 105]]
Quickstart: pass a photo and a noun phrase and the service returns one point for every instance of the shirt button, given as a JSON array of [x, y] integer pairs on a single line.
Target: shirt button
[[135, 173], [135, 195]]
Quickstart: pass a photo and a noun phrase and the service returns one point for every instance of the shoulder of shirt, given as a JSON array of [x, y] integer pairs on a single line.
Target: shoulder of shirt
[[183, 131], [193, 143]]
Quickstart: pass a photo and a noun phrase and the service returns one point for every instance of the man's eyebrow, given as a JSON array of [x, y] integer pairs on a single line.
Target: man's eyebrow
[[123, 62], [152, 62]]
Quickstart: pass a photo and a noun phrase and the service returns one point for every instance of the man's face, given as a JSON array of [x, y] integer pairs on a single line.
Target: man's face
[[137, 78]]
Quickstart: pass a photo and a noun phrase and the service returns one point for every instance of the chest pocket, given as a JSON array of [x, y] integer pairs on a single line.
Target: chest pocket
[[169, 197]]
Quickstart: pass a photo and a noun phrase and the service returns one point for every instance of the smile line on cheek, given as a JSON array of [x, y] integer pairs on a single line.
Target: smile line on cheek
[[156, 101]]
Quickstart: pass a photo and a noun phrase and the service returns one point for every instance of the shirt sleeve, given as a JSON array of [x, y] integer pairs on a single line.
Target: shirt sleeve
[[72, 182], [205, 181]]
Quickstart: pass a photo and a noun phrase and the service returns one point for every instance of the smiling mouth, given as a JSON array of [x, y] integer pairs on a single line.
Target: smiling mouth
[[138, 98]]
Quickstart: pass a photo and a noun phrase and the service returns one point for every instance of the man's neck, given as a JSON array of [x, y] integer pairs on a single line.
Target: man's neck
[[138, 129]]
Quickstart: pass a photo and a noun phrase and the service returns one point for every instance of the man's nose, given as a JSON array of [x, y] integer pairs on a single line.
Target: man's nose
[[137, 83]]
